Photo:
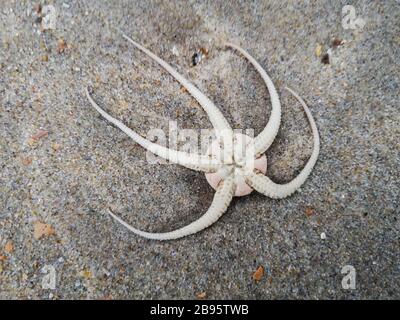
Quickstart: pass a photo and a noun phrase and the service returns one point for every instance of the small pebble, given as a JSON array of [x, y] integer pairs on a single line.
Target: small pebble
[[199, 55], [175, 51], [309, 211], [318, 50], [323, 235], [325, 59], [337, 42], [201, 295], [196, 58], [61, 46]]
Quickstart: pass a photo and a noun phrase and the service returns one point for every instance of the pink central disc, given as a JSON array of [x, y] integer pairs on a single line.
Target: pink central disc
[[242, 188]]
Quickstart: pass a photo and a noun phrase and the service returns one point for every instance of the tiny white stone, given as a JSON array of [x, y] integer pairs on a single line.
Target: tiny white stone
[[175, 51], [323, 235]]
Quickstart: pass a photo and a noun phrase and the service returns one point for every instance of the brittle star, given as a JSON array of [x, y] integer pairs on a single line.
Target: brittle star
[[231, 176]]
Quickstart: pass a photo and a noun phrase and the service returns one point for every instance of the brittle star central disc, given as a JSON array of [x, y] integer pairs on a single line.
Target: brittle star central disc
[[243, 157]]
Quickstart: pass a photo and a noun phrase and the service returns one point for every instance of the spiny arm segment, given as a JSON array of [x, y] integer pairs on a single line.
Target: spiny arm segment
[[191, 161], [216, 117], [266, 186], [263, 141], [221, 201]]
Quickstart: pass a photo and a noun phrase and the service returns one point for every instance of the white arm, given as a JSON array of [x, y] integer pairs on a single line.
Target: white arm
[[217, 119], [271, 189], [222, 198], [191, 161], [263, 141]]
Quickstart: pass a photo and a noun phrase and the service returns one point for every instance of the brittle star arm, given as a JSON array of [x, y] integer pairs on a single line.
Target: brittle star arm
[[191, 161], [266, 186], [220, 124], [263, 141], [221, 201]]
